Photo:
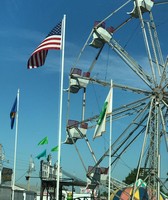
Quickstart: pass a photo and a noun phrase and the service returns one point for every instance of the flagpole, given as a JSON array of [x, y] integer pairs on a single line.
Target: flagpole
[[110, 141], [16, 135], [60, 110]]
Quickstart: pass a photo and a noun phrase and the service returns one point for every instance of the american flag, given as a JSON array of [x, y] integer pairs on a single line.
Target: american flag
[[52, 41]]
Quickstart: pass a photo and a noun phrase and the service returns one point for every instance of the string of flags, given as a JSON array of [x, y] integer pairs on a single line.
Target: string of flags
[[44, 153]]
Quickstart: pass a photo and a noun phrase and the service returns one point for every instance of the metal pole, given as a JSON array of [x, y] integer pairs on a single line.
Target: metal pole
[[60, 111], [16, 135]]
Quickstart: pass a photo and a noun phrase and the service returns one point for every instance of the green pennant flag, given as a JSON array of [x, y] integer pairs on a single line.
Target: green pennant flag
[[54, 148], [43, 141], [43, 154]]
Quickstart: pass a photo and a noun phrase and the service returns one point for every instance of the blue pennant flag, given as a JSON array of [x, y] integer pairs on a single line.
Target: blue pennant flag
[[43, 154], [13, 113]]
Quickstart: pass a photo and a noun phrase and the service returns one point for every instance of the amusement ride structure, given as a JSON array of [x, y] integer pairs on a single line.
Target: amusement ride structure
[[149, 112]]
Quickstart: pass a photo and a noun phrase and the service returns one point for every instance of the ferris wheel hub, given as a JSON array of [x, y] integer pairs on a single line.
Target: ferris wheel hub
[[159, 93]]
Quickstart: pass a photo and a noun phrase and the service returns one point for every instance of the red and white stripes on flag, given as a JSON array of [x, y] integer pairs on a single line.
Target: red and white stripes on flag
[[52, 41]]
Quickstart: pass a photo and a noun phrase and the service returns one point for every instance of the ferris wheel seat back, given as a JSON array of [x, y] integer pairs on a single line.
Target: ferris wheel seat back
[[69, 140], [78, 80], [145, 6], [76, 130], [95, 175], [100, 37], [77, 84], [76, 71]]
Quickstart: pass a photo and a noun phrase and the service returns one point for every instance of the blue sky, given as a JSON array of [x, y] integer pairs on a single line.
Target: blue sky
[[24, 24]]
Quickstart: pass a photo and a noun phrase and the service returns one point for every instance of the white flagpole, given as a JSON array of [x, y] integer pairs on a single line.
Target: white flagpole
[[110, 141], [60, 110], [16, 135]]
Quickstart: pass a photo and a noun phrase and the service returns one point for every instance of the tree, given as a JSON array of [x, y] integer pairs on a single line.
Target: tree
[[142, 175], [132, 176]]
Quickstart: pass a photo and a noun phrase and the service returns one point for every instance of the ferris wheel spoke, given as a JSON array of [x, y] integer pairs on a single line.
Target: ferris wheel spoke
[[133, 89], [130, 130], [163, 78], [120, 112], [155, 54], [127, 145], [124, 110], [79, 56], [117, 86], [146, 42], [135, 106], [148, 126], [137, 122], [164, 127], [156, 41], [130, 62], [161, 2]]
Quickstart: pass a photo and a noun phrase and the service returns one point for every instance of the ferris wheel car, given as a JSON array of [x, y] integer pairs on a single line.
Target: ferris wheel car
[[145, 6], [100, 37]]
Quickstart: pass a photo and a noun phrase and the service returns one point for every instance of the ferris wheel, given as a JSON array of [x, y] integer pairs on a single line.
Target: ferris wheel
[[149, 112]]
